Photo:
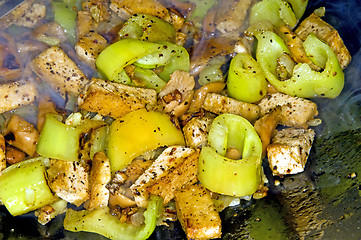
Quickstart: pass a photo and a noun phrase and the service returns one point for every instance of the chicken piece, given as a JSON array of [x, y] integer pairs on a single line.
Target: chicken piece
[[46, 213], [126, 8], [196, 131], [266, 126], [289, 150], [100, 175], [14, 155], [325, 32], [197, 213], [84, 23], [21, 134], [2, 153], [16, 14], [99, 9], [16, 94], [296, 112], [56, 68], [201, 93], [232, 19], [177, 94], [295, 45], [32, 16], [176, 167], [115, 99], [120, 194], [218, 104], [69, 181], [89, 46]]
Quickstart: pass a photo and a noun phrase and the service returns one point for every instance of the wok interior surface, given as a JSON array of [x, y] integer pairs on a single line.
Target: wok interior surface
[[322, 203]]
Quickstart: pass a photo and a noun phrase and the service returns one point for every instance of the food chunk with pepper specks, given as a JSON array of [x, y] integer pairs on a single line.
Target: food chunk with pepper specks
[[100, 175], [16, 94], [56, 68], [89, 46], [296, 112], [324, 31], [69, 181], [196, 131], [289, 150], [219, 104], [175, 168], [197, 213], [115, 99], [126, 8]]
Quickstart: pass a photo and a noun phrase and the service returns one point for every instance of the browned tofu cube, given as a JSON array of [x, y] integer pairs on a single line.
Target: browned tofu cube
[[218, 104], [115, 99], [55, 67], [197, 213], [176, 167], [16, 94]]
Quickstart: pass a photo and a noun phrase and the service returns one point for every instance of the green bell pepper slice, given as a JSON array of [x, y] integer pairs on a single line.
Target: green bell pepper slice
[[246, 80], [298, 7], [24, 187], [102, 222], [278, 12], [61, 141], [227, 176], [112, 60], [304, 82], [149, 78], [66, 17], [147, 28]]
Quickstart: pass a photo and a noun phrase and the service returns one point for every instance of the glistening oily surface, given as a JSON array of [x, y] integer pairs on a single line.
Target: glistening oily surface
[[321, 203]]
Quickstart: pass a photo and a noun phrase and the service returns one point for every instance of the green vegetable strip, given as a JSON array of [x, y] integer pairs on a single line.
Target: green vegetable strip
[[304, 82], [298, 7], [112, 60], [246, 81], [66, 17], [24, 188], [149, 78], [147, 28], [220, 174], [58, 140], [100, 221], [278, 12]]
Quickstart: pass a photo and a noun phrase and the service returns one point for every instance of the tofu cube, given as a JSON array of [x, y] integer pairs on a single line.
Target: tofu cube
[[289, 150], [296, 112], [197, 213]]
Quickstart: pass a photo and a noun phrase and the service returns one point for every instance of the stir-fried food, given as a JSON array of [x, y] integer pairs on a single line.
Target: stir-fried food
[[144, 105]]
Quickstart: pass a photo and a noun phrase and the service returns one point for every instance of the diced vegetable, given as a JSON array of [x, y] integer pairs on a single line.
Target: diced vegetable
[[147, 28], [304, 82], [223, 175], [61, 141], [278, 12], [24, 188], [246, 80], [102, 222], [298, 7], [138, 132], [65, 16]]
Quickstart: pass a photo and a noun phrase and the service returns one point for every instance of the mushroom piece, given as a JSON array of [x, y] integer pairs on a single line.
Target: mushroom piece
[[10, 65], [21, 134], [177, 94]]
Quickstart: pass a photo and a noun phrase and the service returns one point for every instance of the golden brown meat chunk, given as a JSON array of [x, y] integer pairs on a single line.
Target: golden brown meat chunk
[[197, 213], [55, 67], [218, 104], [115, 99], [176, 167]]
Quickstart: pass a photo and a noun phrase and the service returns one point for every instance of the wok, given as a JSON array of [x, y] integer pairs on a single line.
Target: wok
[[324, 202]]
